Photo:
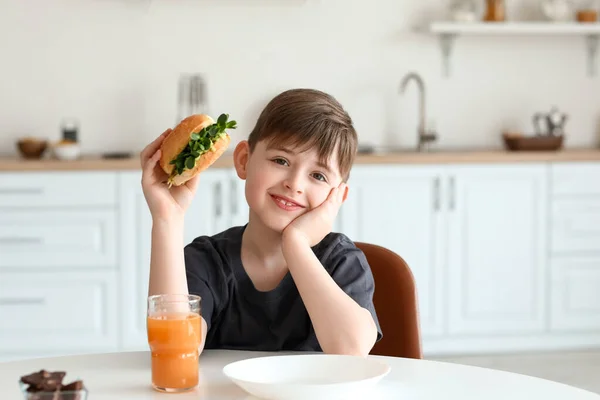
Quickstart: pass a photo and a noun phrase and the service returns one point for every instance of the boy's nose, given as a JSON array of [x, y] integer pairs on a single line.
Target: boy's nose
[[293, 184]]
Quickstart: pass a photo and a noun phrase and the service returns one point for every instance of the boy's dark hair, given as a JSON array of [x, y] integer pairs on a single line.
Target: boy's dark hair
[[308, 118]]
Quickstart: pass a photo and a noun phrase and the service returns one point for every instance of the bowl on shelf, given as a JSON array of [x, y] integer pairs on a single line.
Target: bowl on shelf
[[519, 142], [32, 148], [67, 150]]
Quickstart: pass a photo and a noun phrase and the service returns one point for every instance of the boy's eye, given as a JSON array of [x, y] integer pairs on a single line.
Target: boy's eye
[[280, 161], [320, 177]]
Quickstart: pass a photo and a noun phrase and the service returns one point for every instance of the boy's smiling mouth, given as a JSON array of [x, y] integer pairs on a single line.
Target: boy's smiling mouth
[[286, 203]]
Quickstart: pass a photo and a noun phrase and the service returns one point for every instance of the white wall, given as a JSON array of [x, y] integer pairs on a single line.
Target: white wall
[[114, 64]]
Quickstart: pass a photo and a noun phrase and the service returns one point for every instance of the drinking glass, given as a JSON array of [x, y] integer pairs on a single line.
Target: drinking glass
[[174, 335]]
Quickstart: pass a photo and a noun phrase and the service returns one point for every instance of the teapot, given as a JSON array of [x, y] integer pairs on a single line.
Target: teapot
[[554, 122]]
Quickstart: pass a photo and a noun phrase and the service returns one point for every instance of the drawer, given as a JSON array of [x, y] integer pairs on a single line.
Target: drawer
[[48, 239], [575, 225], [575, 178], [45, 189], [58, 311], [574, 294]]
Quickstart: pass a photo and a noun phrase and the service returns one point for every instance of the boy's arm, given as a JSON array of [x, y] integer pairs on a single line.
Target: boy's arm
[[167, 207], [167, 263], [342, 326]]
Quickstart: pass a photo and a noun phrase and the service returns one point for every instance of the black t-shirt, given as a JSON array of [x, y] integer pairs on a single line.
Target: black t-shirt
[[242, 318]]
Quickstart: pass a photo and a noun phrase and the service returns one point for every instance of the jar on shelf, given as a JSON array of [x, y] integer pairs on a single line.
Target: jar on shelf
[[588, 11], [495, 11]]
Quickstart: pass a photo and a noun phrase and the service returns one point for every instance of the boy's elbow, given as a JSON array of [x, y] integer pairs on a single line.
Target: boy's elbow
[[359, 344]]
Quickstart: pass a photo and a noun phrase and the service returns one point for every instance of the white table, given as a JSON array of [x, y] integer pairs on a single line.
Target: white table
[[127, 376]]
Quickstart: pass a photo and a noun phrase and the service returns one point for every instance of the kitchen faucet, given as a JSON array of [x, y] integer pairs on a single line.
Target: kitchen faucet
[[424, 135]]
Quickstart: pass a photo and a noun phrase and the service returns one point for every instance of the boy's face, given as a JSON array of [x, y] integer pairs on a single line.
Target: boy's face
[[284, 183]]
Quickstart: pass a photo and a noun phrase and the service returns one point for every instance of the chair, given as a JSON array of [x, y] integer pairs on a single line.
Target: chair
[[395, 301]]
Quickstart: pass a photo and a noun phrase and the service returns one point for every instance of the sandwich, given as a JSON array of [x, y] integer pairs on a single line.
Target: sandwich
[[193, 146]]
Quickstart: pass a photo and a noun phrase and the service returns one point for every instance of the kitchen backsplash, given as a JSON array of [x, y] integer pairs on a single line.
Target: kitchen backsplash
[[115, 64]]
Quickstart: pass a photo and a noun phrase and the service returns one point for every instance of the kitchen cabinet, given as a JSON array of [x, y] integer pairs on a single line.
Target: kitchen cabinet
[[575, 249], [58, 263], [57, 238], [506, 257], [496, 250], [473, 237], [58, 313]]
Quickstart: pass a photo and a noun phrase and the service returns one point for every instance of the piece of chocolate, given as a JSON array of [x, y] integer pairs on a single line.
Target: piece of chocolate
[[34, 378], [48, 385], [44, 379]]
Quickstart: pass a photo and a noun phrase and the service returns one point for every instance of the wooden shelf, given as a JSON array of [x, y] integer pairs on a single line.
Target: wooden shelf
[[448, 31]]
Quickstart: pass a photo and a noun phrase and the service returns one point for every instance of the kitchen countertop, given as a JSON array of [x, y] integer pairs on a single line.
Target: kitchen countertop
[[14, 163]]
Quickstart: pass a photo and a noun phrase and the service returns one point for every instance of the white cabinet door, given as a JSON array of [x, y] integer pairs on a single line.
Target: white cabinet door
[[208, 214], [43, 189], [575, 294], [50, 238], [398, 207], [497, 249], [58, 312]]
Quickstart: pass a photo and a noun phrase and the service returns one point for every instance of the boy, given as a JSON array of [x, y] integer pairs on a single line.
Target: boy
[[282, 282]]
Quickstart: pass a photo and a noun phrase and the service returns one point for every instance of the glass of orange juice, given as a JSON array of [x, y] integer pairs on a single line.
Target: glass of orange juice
[[174, 336]]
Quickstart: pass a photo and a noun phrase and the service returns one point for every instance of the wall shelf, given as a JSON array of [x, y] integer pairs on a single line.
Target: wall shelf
[[449, 31]]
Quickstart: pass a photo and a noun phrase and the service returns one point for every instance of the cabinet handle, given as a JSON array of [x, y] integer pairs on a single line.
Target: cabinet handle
[[233, 198], [436, 194], [21, 240], [21, 191], [218, 204], [17, 302], [452, 195]]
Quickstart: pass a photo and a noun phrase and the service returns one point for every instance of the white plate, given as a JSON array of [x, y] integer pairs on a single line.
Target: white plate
[[307, 376]]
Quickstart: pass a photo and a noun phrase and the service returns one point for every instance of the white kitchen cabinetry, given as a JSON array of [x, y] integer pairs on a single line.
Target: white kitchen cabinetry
[[506, 257], [474, 237], [49, 238], [58, 263], [58, 312], [58, 189], [575, 249], [214, 208], [496, 249]]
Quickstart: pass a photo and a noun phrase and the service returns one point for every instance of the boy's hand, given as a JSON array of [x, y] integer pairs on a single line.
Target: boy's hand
[[313, 226], [164, 203]]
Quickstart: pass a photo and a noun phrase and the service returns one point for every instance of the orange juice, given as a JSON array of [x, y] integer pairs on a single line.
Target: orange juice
[[174, 339]]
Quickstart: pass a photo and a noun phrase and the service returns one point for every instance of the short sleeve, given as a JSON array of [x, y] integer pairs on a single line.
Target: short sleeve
[[200, 264], [351, 271]]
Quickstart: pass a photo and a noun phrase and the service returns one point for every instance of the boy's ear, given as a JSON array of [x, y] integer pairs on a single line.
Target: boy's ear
[[345, 194], [240, 158]]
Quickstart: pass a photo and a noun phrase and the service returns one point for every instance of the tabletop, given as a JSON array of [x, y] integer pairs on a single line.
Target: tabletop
[[126, 375]]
